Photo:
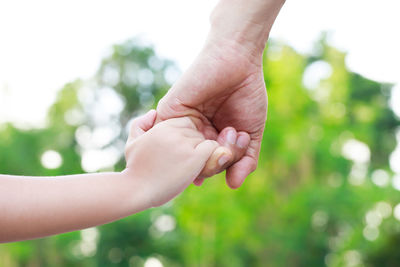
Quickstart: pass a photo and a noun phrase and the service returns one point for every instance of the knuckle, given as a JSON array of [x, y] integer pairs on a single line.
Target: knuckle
[[188, 122], [212, 143]]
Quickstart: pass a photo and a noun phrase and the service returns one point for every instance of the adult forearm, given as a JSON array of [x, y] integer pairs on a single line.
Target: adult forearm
[[246, 22], [33, 207]]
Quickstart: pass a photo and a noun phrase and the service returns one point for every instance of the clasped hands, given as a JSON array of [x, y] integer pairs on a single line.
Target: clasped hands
[[213, 117]]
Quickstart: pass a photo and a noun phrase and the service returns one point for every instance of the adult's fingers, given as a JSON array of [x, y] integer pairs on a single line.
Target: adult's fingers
[[237, 173], [237, 144], [142, 124]]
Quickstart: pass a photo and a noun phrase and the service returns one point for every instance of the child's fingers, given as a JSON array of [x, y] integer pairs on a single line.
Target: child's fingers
[[219, 158], [142, 124], [233, 146], [204, 150], [182, 122], [212, 163]]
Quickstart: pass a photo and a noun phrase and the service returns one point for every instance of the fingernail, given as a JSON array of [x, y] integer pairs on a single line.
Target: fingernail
[[242, 142], [198, 182], [231, 137], [223, 160]]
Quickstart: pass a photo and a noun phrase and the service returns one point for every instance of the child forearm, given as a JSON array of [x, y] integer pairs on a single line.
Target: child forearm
[[32, 207], [157, 170]]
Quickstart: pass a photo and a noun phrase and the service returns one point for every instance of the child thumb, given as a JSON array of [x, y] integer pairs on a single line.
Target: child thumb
[[205, 149]]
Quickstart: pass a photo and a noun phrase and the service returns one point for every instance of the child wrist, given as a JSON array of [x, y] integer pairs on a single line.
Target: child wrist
[[139, 197]]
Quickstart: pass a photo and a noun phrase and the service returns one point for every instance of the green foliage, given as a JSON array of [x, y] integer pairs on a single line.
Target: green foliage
[[305, 205]]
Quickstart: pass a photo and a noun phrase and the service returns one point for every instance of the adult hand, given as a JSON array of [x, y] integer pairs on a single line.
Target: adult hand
[[224, 90]]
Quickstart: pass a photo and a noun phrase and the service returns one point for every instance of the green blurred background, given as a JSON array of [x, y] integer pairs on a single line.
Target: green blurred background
[[323, 194]]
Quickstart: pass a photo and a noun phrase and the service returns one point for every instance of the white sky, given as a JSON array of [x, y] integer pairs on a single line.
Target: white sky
[[45, 44]]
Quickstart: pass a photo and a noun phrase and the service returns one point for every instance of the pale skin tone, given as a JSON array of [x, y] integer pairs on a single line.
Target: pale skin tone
[[224, 90], [223, 93], [43, 206]]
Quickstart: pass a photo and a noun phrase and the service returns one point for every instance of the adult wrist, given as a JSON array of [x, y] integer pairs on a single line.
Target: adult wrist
[[245, 22]]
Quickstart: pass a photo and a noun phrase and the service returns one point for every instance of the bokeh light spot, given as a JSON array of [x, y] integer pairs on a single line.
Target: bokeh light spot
[[115, 255], [153, 262], [51, 159], [384, 209], [380, 178], [165, 223], [315, 73], [396, 212], [373, 218], [319, 219], [371, 233], [356, 151]]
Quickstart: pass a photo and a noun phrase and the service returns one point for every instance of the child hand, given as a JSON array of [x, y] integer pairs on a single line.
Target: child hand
[[166, 158], [225, 155]]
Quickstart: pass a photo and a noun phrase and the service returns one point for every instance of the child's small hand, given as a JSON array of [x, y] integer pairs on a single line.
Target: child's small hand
[[167, 158]]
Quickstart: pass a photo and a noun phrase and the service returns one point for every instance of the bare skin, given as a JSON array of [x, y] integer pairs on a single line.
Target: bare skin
[[223, 90], [224, 94], [34, 207]]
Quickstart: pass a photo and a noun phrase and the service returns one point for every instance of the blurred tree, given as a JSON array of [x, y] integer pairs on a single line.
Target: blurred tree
[[321, 195]]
